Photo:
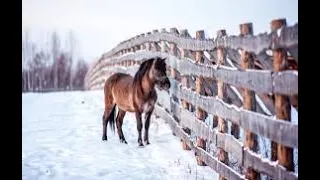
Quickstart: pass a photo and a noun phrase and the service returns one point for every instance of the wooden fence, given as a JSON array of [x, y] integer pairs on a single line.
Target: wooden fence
[[250, 81]]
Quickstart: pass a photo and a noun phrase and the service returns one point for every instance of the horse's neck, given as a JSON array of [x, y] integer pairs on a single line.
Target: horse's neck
[[147, 85]]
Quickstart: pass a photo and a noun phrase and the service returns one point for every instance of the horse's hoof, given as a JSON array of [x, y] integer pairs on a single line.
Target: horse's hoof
[[146, 141], [123, 141], [104, 138], [141, 145]]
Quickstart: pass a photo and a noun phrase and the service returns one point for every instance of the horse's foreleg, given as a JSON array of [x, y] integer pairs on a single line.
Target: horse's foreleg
[[119, 123], [139, 127], [146, 127]]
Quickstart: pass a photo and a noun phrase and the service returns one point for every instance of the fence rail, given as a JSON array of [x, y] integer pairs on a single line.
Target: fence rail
[[231, 78]]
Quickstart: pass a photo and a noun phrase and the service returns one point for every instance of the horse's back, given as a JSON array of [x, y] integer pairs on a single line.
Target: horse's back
[[118, 90], [114, 78]]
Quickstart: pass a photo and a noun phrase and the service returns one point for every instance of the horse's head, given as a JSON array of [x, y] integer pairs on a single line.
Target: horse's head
[[158, 73]]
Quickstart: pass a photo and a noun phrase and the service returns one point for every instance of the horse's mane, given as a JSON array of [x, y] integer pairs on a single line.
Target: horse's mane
[[144, 67]]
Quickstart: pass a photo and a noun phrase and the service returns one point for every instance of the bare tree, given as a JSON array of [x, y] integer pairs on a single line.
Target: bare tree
[[55, 48], [27, 53], [41, 74], [72, 44], [80, 72]]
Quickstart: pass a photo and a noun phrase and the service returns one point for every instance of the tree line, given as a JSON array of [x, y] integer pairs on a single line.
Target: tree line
[[50, 67]]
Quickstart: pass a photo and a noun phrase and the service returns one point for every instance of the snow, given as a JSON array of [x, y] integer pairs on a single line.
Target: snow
[[61, 139]]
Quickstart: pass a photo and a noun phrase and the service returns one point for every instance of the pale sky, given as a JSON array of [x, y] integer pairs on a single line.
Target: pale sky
[[99, 25]]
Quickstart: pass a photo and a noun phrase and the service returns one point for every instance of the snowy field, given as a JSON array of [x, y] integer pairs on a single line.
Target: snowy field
[[61, 139]]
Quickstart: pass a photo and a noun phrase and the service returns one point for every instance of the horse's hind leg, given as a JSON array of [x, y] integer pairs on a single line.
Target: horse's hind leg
[[119, 123], [105, 118], [146, 127]]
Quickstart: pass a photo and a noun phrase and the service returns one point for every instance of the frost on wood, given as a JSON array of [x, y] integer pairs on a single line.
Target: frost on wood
[[219, 167], [288, 37], [255, 44], [184, 43], [285, 83], [175, 109], [251, 79], [264, 165], [262, 105], [211, 161], [277, 130], [163, 99], [175, 87], [200, 128]]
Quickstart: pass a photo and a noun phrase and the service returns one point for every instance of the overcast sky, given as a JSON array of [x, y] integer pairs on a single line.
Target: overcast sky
[[99, 25]]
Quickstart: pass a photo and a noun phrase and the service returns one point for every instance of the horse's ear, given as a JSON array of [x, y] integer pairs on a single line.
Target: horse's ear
[[163, 59]]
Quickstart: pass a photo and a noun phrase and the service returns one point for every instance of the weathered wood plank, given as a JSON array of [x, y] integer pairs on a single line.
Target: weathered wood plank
[[233, 146], [211, 161], [285, 82], [255, 44], [163, 99], [200, 128], [280, 131], [175, 109], [263, 165], [282, 83], [251, 79], [222, 169]]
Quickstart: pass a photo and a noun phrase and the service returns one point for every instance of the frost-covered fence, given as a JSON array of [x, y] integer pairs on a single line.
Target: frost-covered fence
[[230, 96]]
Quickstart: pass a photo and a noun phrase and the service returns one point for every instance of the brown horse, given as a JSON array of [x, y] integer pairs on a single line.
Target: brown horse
[[134, 94]]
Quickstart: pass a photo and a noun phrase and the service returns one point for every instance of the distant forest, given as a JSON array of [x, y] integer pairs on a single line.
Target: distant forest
[[50, 67]]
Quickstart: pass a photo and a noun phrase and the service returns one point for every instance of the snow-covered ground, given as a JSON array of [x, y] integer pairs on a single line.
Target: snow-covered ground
[[61, 139]]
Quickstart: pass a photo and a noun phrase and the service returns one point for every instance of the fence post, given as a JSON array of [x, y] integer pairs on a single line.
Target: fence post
[[163, 45], [173, 51], [222, 125], [200, 114], [137, 47], [249, 102], [142, 46], [282, 102], [148, 45], [185, 82], [131, 49], [154, 45]]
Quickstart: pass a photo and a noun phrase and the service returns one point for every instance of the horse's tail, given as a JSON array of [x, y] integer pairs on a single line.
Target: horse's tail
[[112, 118]]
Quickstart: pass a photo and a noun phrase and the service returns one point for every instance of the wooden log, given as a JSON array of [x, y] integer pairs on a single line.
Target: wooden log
[[163, 44], [254, 44], [212, 162], [154, 45], [222, 125], [142, 46], [249, 102], [200, 114], [147, 44], [185, 82], [137, 47], [282, 103], [173, 51]]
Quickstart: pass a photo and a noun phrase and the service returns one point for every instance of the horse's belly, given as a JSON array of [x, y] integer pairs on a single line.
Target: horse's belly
[[125, 105]]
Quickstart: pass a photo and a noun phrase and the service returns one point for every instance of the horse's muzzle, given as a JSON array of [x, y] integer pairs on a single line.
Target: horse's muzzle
[[165, 84]]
